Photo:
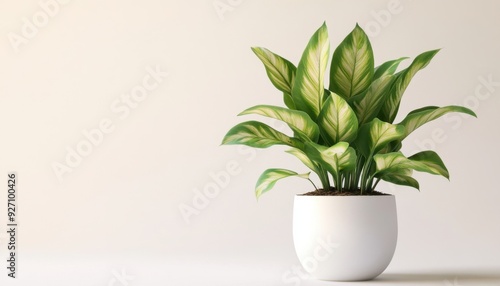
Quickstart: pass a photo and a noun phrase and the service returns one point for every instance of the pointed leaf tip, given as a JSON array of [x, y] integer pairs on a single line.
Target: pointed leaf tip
[[307, 91], [269, 178], [352, 65]]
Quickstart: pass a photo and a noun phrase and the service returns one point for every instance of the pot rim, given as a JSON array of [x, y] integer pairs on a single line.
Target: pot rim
[[348, 196]]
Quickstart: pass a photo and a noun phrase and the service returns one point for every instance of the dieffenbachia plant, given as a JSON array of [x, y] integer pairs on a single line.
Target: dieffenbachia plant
[[344, 133]]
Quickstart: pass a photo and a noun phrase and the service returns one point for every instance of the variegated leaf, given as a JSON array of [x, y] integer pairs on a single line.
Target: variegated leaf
[[307, 91], [352, 67], [432, 160], [421, 116], [390, 108], [368, 105], [304, 159], [269, 178], [395, 162], [335, 159], [337, 121], [402, 177], [258, 135], [387, 68], [375, 135], [280, 71], [288, 100], [391, 163], [298, 121]]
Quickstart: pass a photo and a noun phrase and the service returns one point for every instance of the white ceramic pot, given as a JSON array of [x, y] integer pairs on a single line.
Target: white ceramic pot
[[345, 238]]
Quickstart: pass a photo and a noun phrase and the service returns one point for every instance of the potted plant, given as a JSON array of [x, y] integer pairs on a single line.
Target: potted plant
[[346, 135]]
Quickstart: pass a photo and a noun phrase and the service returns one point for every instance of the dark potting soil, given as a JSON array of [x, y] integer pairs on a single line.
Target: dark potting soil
[[335, 192]]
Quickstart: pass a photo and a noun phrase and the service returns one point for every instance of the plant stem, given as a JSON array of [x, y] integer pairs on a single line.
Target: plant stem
[[348, 181], [313, 184], [335, 181], [376, 183], [359, 168], [354, 183], [339, 182], [364, 177], [370, 183], [323, 177]]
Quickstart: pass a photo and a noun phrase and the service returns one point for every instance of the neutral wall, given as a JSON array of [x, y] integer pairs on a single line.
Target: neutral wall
[[67, 76]]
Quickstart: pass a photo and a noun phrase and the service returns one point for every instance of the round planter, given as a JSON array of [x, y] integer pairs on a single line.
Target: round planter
[[345, 238]]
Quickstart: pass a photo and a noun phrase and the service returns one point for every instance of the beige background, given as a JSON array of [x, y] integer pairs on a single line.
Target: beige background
[[119, 207]]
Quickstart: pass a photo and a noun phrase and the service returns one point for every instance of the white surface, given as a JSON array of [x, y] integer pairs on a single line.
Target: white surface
[[123, 199], [217, 271]]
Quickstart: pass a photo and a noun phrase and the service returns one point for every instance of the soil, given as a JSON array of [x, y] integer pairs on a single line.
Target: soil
[[335, 192]]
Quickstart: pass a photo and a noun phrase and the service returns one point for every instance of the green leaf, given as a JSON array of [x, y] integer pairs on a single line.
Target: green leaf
[[431, 160], [258, 135], [280, 71], [395, 162], [298, 121], [335, 159], [375, 135], [393, 146], [387, 68], [287, 98], [352, 67], [337, 121], [391, 106], [390, 163], [304, 159], [326, 94], [307, 91], [368, 104], [269, 178], [421, 116], [402, 177]]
